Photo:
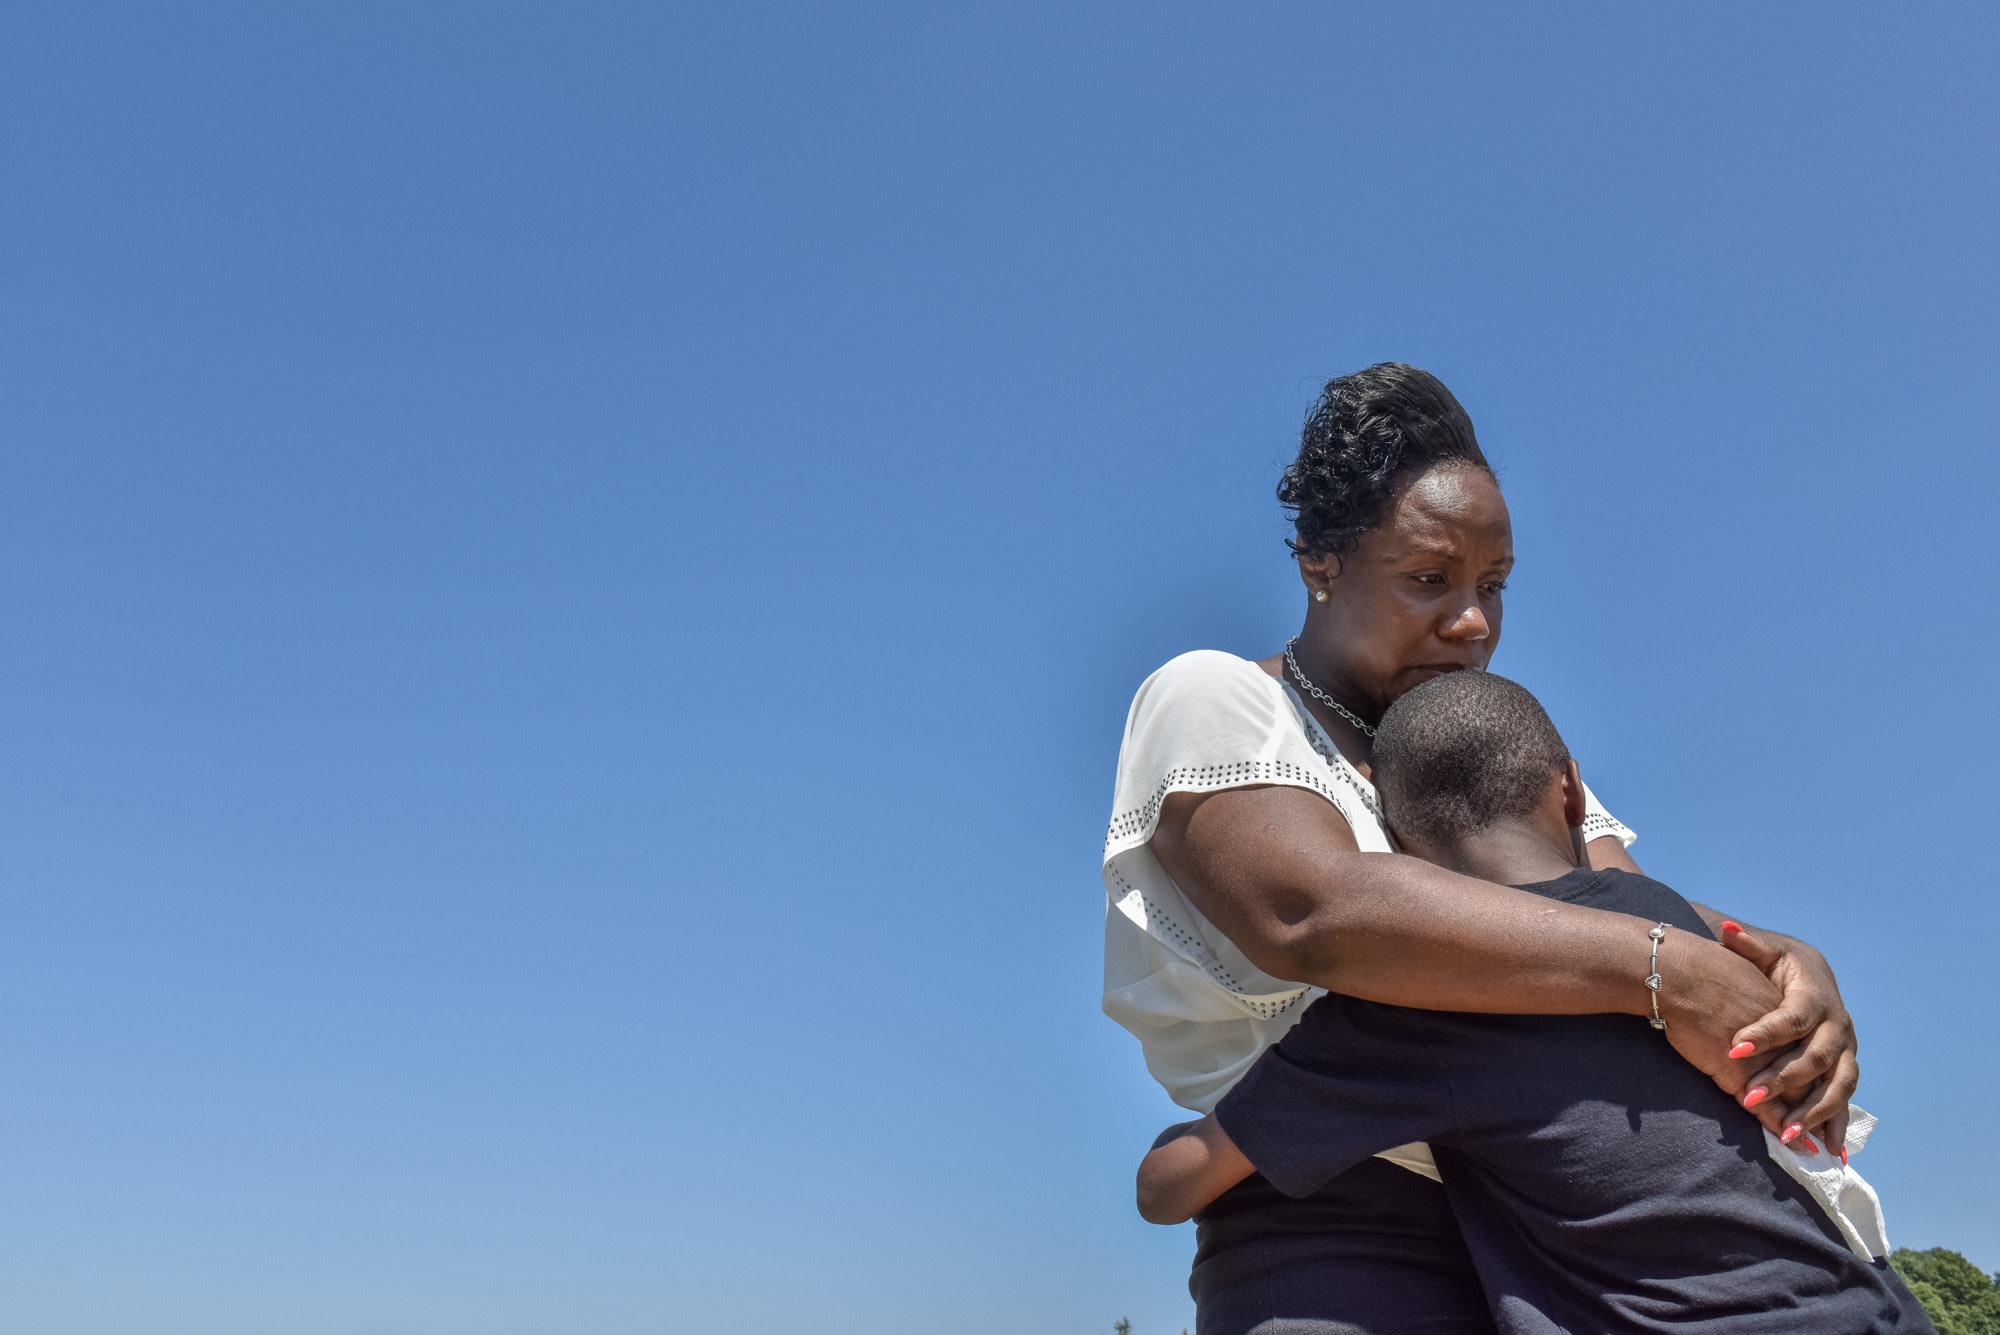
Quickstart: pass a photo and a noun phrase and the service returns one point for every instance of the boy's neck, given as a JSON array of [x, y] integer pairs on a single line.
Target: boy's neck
[[1509, 853]]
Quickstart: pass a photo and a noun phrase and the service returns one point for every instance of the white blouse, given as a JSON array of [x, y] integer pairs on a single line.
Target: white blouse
[[1200, 1009]]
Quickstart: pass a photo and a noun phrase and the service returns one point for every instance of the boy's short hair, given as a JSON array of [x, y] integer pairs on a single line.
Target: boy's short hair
[[1460, 752]]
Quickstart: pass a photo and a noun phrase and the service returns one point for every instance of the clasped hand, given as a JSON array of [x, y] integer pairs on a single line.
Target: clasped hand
[[1763, 1017]]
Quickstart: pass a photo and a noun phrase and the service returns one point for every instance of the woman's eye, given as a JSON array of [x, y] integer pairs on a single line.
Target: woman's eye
[[1432, 578], [1496, 589]]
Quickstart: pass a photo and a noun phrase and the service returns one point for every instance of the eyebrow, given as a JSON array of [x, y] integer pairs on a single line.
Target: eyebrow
[[1443, 553]]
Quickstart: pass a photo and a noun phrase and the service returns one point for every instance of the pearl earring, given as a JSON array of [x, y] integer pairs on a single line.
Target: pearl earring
[[1319, 595]]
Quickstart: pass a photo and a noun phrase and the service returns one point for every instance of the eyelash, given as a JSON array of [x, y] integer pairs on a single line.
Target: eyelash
[[1498, 587]]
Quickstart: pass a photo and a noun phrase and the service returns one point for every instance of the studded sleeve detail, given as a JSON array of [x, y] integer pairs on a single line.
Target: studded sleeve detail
[[1204, 722], [1138, 823], [1163, 923]]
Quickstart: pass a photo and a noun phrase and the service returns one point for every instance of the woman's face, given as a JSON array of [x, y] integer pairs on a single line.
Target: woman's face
[[1420, 595]]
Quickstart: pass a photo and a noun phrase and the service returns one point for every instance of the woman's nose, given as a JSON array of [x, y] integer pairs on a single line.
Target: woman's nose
[[1469, 625]]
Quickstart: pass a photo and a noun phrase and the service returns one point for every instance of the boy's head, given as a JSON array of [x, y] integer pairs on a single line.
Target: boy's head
[[1468, 754]]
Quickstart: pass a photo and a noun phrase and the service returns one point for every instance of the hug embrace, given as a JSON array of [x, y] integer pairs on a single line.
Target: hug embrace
[[1462, 1066]]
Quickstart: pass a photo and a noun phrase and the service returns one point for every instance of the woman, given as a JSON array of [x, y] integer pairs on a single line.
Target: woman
[[1247, 868]]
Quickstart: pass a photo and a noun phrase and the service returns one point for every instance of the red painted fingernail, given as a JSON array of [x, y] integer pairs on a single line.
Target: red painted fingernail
[[1811, 1144], [1843, 1156], [1756, 1096], [1730, 926], [1743, 1049], [1791, 1133]]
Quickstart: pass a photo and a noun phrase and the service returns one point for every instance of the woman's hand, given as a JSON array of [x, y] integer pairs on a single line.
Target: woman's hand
[[1807, 1043], [1709, 997]]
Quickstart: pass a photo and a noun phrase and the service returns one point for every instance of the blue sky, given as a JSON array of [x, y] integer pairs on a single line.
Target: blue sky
[[573, 575]]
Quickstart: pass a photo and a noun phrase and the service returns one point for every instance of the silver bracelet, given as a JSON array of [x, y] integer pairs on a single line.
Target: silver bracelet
[[1658, 934]]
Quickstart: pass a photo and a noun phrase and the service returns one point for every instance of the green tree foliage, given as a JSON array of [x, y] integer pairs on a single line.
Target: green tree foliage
[[1122, 1325], [1961, 1299]]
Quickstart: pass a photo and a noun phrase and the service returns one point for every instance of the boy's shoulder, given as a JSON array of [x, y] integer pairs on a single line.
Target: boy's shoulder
[[1632, 893], [1339, 1031]]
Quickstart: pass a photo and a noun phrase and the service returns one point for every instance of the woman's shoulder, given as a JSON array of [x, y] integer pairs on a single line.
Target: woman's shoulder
[[1209, 720], [1207, 688], [1208, 669]]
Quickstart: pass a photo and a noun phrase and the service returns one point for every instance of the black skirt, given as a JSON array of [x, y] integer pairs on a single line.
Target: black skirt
[[1377, 1252]]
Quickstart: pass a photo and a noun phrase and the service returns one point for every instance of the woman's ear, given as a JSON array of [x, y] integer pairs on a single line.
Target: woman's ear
[[1317, 572]]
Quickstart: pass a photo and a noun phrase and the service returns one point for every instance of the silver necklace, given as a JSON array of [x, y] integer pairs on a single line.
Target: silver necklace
[[1321, 696]]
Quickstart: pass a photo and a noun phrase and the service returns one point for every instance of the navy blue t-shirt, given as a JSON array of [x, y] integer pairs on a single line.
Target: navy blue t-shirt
[[1603, 1183]]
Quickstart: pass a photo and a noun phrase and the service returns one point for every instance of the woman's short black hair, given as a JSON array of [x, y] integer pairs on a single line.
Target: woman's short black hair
[[1369, 433]]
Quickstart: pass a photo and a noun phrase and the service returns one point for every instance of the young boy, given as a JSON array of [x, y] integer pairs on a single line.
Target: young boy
[[1602, 1183]]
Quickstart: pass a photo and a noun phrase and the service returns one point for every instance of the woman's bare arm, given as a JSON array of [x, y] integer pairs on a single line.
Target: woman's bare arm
[[1607, 852], [1277, 870]]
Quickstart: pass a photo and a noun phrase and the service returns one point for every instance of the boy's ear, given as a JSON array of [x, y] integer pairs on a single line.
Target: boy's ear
[[1573, 799], [1573, 805]]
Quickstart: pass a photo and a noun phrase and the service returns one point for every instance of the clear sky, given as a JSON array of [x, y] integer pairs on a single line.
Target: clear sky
[[572, 576]]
